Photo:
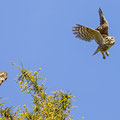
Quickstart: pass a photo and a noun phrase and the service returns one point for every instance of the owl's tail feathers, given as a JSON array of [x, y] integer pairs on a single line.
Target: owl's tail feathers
[[98, 49]]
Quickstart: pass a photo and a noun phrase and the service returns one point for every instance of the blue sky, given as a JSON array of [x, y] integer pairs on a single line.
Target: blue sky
[[40, 33]]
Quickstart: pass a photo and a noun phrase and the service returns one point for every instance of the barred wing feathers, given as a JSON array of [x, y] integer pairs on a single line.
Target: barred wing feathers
[[103, 28], [87, 34]]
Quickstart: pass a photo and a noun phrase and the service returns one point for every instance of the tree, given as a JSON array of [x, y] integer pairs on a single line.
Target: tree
[[44, 107]]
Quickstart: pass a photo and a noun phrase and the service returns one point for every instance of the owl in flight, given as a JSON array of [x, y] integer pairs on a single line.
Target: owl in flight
[[100, 35], [3, 77]]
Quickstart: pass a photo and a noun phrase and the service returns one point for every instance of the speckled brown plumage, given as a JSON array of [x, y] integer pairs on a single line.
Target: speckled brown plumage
[[3, 77], [100, 35]]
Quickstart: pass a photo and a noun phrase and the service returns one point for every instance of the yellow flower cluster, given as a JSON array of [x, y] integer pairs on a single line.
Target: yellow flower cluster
[[25, 85], [82, 118], [40, 69]]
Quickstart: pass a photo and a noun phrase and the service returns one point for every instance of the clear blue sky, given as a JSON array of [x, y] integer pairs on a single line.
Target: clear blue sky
[[40, 33]]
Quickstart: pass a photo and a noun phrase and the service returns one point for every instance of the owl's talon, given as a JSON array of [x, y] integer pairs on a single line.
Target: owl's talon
[[107, 53], [104, 57]]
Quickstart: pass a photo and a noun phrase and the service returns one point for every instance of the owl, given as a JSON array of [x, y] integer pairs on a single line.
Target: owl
[[100, 35], [3, 77]]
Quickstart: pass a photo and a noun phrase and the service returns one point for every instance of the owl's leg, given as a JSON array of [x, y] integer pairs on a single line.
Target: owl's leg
[[107, 53], [103, 54]]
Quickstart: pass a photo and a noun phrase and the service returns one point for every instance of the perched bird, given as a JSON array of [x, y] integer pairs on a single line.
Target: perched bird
[[3, 77], [100, 35]]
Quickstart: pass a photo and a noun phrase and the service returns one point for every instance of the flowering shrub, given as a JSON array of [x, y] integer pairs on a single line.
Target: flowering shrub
[[44, 107]]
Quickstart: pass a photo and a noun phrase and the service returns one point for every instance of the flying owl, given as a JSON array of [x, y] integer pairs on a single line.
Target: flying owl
[[100, 35], [3, 77]]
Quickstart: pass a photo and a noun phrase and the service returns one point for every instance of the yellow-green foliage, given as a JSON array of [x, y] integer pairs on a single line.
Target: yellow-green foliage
[[44, 107]]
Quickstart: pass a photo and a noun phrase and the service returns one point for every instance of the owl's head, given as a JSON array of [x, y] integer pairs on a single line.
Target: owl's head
[[110, 40]]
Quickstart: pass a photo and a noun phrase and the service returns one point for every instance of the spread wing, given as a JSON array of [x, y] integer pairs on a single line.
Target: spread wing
[[103, 28], [87, 34], [102, 18], [3, 77]]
